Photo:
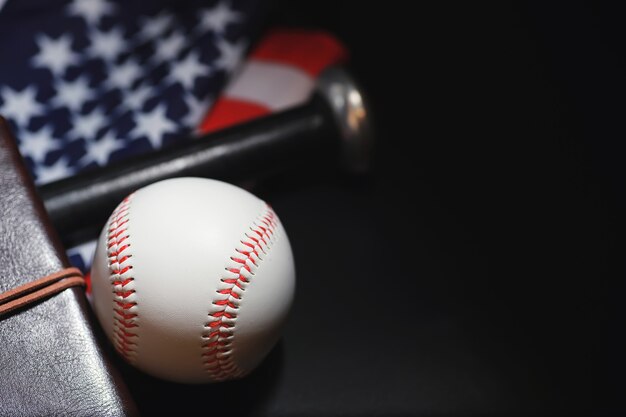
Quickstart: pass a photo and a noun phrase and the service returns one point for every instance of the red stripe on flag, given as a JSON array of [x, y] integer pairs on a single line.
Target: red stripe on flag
[[227, 112], [309, 51]]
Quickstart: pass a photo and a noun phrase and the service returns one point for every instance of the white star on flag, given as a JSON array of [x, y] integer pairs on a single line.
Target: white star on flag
[[72, 94], [91, 10], [196, 109], [153, 27], [217, 18], [100, 150], [136, 99], [20, 106], [107, 45], [230, 54], [87, 126], [153, 125], [37, 145], [59, 170], [55, 54], [169, 48], [124, 75], [187, 70]]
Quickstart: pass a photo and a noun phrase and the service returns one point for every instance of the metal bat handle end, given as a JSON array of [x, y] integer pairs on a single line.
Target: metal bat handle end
[[352, 115]]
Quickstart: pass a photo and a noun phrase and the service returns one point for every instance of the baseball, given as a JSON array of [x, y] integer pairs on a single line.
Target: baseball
[[193, 279]]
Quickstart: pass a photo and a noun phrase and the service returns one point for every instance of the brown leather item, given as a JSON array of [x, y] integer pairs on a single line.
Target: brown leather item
[[39, 289], [50, 362]]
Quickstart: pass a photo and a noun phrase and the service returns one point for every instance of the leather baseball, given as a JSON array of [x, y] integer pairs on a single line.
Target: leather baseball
[[193, 280]]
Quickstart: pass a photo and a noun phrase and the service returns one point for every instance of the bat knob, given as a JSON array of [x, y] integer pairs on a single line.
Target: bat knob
[[352, 115]]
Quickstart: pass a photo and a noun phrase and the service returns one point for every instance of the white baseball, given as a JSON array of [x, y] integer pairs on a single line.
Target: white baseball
[[193, 279]]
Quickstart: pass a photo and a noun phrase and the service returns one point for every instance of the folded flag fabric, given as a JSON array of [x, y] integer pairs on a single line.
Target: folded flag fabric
[[87, 82], [279, 73]]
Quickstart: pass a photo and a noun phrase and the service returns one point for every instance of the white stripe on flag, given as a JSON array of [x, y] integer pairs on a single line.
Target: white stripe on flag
[[272, 85]]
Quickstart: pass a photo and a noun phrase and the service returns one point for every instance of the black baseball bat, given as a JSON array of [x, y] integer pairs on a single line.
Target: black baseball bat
[[335, 124]]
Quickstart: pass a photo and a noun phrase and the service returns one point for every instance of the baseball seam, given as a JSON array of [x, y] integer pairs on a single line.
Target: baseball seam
[[219, 331], [119, 256]]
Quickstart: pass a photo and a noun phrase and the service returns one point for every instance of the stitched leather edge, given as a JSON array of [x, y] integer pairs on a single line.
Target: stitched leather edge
[[240, 269]]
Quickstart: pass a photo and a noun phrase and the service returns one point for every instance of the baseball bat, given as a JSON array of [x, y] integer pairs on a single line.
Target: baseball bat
[[335, 124]]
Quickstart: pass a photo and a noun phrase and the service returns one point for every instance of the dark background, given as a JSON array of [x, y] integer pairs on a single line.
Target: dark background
[[479, 268]]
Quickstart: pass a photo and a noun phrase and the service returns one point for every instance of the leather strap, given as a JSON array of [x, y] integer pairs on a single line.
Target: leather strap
[[44, 287]]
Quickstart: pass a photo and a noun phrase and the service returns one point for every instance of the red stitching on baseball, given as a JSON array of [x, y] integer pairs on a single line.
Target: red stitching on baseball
[[120, 269], [218, 336]]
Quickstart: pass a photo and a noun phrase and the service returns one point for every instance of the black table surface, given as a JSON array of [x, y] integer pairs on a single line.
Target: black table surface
[[477, 270]]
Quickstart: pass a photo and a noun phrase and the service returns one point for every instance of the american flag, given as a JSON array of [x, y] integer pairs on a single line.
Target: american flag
[[87, 82]]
